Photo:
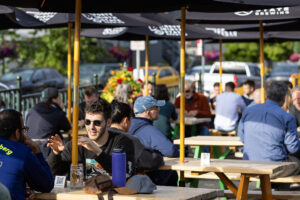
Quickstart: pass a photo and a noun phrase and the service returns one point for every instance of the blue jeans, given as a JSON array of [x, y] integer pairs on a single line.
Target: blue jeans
[[200, 130]]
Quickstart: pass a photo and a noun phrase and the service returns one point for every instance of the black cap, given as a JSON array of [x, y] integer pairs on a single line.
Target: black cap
[[49, 93]]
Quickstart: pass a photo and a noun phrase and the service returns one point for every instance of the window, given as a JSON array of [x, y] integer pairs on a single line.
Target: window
[[164, 73], [38, 76], [231, 69]]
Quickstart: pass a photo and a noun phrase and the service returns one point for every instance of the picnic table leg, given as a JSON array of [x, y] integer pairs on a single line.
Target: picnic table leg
[[227, 182], [243, 187], [265, 187]]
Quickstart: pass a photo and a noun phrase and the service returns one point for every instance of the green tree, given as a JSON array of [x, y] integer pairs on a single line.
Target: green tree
[[250, 51], [50, 50]]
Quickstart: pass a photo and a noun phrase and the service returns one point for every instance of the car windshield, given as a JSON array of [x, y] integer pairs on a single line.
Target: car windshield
[[286, 68], [151, 71], [26, 75]]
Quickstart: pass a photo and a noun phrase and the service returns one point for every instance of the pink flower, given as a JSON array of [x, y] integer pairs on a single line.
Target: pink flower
[[130, 69], [140, 80]]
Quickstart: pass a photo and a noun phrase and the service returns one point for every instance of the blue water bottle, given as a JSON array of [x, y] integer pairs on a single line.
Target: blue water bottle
[[119, 167]]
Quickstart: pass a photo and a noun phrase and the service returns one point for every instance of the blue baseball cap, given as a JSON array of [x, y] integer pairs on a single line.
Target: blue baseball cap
[[146, 102], [138, 184]]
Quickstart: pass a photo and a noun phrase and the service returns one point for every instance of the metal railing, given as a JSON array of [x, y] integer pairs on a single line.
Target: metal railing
[[14, 99]]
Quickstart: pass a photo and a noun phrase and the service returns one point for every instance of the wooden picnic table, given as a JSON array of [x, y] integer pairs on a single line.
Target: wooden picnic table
[[193, 120], [233, 141], [246, 168], [162, 193]]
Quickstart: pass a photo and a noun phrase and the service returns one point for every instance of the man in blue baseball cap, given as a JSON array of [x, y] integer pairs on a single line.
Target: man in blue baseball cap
[[146, 110]]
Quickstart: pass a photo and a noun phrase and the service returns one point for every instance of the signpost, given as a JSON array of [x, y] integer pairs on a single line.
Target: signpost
[[137, 46]]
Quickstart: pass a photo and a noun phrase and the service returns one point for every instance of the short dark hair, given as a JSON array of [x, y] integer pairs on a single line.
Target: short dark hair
[[162, 92], [10, 121], [277, 91], [216, 84], [289, 84], [230, 85], [251, 83], [99, 106], [120, 110], [149, 83], [89, 91]]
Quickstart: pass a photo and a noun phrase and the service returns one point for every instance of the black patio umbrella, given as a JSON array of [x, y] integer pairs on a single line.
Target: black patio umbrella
[[166, 28], [291, 25], [10, 17], [88, 20], [68, 6]]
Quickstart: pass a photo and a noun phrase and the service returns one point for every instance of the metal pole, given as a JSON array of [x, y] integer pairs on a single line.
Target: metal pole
[[262, 64], [220, 67], [182, 92], [76, 83], [19, 94], [138, 62], [147, 65], [69, 70]]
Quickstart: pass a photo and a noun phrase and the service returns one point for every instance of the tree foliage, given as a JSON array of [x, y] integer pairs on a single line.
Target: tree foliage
[[250, 51], [50, 50]]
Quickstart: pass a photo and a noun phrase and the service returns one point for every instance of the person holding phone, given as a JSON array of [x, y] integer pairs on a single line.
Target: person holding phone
[[21, 160]]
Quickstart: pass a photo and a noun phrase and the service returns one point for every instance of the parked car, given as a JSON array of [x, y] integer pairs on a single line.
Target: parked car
[[164, 75], [191, 74], [236, 72], [283, 71], [33, 79], [103, 70]]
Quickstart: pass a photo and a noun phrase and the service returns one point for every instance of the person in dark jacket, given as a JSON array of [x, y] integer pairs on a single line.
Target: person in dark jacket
[[146, 110], [166, 112], [21, 161], [90, 95], [46, 119], [121, 120], [100, 143]]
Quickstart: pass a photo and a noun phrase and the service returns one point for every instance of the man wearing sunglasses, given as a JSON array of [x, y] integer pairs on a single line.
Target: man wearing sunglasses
[[99, 144], [21, 160]]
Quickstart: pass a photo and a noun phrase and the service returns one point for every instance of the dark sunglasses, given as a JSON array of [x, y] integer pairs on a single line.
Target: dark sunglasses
[[96, 122], [25, 128]]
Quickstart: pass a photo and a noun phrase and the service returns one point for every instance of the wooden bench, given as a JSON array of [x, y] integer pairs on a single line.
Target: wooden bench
[[275, 194], [233, 176]]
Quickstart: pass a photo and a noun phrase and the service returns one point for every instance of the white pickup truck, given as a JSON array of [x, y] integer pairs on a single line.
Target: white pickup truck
[[236, 72]]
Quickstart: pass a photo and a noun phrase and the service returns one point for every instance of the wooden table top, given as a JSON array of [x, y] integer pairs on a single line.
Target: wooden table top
[[227, 166], [193, 120], [233, 141], [162, 193]]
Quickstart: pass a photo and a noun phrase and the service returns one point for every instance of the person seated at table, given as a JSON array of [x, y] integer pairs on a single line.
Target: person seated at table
[[99, 145], [46, 119], [121, 120], [146, 109], [228, 106], [196, 105], [269, 133], [150, 89], [213, 96], [90, 95], [166, 112], [248, 89], [21, 160]]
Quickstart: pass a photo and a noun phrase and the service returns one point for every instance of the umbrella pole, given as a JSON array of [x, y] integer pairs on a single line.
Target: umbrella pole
[[262, 64], [147, 65], [182, 94], [76, 82], [220, 67], [69, 69]]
